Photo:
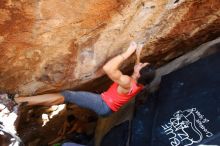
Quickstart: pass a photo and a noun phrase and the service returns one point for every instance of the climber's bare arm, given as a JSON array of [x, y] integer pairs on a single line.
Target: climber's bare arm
[[45, 100], [111, 68], [138, 52]]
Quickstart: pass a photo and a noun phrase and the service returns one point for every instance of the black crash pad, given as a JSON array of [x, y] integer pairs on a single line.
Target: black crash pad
[[188, 107], [186, 111]]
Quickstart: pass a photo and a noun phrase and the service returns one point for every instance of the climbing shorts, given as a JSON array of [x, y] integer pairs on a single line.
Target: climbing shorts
[[87, 100]]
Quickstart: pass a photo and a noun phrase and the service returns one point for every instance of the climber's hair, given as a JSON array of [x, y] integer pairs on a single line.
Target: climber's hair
[[147, 74]]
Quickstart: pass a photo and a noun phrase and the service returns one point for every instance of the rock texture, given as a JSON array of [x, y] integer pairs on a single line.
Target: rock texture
[[54, 45]]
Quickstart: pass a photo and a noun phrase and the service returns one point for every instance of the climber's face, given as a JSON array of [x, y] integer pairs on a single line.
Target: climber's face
[[138, 67]]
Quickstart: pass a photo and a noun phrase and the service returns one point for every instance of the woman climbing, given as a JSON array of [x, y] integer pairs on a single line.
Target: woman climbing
[[120, 92]]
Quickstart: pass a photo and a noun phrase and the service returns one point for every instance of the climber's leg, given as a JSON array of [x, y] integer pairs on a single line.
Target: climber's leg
[[87, 100], [45, 99]]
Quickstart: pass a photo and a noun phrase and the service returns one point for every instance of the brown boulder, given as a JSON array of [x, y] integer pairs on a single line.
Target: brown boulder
[[53, 45]]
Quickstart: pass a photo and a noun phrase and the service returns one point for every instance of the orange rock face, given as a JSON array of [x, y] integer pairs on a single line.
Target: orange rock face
[[53, 45]]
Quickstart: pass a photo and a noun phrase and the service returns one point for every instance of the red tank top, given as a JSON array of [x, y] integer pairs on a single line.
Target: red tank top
[[115, 100]]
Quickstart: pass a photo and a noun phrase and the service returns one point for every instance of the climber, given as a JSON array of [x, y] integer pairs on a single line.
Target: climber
[[120, 92]]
